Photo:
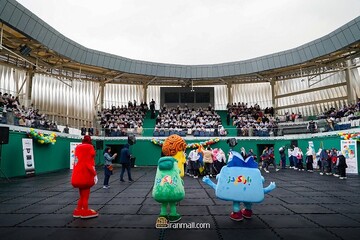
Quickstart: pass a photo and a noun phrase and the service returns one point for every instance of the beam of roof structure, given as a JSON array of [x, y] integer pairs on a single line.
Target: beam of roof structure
[[59, 56]]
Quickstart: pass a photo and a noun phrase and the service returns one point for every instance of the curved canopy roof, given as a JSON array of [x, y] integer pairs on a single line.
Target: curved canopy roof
[[30, 37]]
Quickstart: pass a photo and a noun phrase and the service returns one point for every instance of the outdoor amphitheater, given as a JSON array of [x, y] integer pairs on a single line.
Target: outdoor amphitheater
[[54, 92]]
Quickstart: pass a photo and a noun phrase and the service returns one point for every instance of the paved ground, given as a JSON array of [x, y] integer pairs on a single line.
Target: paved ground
[[304, 206]]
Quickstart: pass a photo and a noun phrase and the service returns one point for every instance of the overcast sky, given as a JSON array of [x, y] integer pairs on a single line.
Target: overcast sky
[[194, 31]]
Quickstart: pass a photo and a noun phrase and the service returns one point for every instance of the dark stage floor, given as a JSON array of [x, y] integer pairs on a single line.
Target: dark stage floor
[[303, 206]]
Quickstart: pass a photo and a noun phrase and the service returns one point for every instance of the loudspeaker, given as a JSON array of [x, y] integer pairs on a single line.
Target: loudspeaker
[[294, 143], [99, 145], [4, 135], [131, 139]]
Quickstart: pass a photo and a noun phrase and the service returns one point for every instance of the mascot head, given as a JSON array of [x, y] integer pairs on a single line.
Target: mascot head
[[174, 146], [86, 139], [236, 160], [240, 180]]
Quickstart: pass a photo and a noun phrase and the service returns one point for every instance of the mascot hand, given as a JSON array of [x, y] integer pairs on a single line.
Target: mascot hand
[[206, 179], [96, 179], [209, 182], [269, 188]]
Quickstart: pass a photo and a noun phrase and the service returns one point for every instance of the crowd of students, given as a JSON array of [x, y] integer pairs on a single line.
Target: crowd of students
[[327, 162], [251, 120], [351, 111], [116, 121], [205, 162], [189, 120], [13, 113]]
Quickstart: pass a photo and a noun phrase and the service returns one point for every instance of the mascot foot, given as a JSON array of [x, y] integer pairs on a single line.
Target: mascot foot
[[89, 213], [77, 213], [246, 213], [174, 218], [236, 216]]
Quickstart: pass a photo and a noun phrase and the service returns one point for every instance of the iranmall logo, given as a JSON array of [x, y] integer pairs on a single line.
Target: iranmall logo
[[163, 222]]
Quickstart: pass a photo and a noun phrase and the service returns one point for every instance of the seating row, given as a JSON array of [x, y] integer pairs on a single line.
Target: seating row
[[166, 133]]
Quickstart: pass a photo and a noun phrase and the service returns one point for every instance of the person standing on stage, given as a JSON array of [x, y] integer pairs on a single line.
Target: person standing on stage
[[125, 162], [108, 167]]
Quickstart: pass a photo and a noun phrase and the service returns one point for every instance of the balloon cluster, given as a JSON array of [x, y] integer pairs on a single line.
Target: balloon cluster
[[350, 136], [192, 145], [42, 138]]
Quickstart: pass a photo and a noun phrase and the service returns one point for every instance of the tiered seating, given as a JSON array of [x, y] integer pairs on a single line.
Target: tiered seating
[[251, 120], [120, 121], [12, 113], [167, 132], [184, 121]]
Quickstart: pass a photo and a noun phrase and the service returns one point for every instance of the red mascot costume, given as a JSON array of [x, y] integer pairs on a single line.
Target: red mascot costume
[[84, 177]]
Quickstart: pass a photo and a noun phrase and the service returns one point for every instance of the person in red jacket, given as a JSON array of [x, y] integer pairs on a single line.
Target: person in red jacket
[[84, 177]]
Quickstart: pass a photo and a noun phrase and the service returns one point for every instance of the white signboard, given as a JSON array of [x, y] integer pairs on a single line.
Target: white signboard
[[348, 149], [28, 155], [72, 153]]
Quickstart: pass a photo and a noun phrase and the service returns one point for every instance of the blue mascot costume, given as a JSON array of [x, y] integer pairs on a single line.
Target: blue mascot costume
[[240, 181]]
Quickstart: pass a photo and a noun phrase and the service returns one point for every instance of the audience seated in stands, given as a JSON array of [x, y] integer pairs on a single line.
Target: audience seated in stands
[[312, 126], [13, 114], [250, 121], [117, 120], [350, 111], [199, 122]]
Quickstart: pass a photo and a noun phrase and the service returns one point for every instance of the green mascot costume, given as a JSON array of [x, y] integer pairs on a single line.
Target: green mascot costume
[[169, 187]]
